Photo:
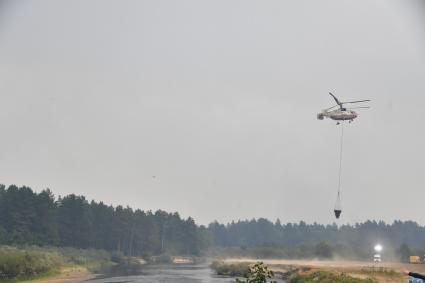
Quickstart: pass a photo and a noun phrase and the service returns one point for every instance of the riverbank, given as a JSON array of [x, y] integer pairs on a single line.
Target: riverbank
[[35, 263], [385, 272], [52, 264], [64, 275]]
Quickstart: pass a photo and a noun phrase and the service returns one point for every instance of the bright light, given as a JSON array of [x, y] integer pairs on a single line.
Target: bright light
[[378, 248]]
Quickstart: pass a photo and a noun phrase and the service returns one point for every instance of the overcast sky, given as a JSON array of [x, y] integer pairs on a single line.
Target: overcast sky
[[209, 108]]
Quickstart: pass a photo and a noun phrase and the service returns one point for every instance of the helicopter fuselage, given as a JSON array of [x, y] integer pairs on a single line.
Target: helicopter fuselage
[[342, 113], [338, 115]]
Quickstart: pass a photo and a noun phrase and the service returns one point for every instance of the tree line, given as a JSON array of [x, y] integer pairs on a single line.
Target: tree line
[[302, 240], [31, 218]]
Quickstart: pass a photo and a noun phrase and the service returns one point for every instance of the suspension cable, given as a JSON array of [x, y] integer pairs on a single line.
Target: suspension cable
[[340, 158]]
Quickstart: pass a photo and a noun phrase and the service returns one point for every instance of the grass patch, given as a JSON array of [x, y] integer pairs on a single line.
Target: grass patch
[[327, 277], [378, 270]]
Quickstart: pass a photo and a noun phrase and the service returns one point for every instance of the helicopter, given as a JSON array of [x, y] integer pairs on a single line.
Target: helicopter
[[341, 114]]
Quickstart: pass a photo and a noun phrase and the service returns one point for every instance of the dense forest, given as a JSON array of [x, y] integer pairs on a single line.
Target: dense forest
[[31, 218], [303, 240]]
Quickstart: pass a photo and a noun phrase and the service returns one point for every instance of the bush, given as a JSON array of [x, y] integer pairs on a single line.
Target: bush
[[117, 257], [24, 263], [97, 261], [127, 266], [16, 263], [258, 273], [323, 250], [161, 259], [83, 257], [231, 269]]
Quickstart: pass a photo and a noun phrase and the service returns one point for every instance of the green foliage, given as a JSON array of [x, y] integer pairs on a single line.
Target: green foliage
[[15, 263], [127, 266], [32, 261], [378, 270], [240, 269], [257, 273], [263, 238], [327, 277], [81, 256], [97, 261], [30, 218], [117, 257], [404, 252], [323, 250]]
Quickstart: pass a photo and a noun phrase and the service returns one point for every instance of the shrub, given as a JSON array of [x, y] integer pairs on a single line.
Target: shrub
[[323, 250], [127, 266], [230, 269], [15, 263], [258, 273], [83, 257], [161, 259], [117, 257]]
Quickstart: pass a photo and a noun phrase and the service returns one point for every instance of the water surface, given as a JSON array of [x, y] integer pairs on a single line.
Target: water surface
[[168, 274]]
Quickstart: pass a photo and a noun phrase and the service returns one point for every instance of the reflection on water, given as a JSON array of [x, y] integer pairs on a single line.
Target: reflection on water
[[168, 274]]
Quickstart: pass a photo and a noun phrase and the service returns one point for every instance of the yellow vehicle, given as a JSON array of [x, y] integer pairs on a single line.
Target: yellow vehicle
[[414, 259]]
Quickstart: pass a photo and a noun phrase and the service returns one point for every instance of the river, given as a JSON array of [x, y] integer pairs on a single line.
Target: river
[[171, 274]]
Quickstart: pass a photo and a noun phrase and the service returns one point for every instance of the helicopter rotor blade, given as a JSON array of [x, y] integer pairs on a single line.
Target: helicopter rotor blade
[[357, 101], [359, 107], [336, 99], [327, 109]]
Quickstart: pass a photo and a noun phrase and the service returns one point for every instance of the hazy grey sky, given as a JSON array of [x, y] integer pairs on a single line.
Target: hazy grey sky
[[218, 101]]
